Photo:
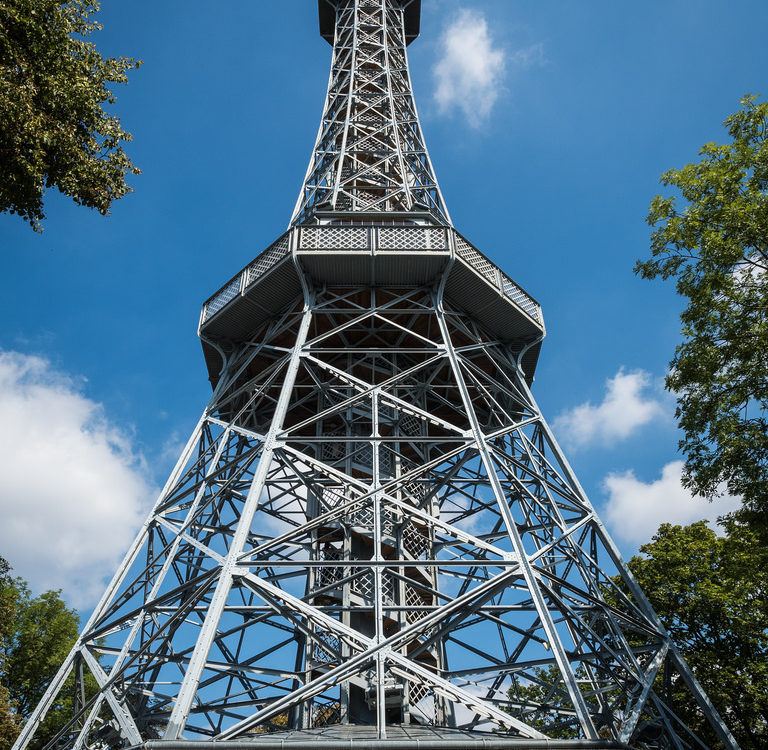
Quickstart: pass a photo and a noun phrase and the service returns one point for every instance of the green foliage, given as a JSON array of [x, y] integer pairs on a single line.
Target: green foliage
[[9, 723], [536, 700], [36, 634], [712, 594], [8, 597], [54, 131], [45, 632], [716, 247], [9, 720]]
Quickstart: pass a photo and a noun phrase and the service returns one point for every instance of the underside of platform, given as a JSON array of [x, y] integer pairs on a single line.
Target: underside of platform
[[372, 256]]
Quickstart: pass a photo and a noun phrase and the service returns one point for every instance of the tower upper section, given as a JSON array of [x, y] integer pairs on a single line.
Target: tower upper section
[[370, 213], [370, 156]]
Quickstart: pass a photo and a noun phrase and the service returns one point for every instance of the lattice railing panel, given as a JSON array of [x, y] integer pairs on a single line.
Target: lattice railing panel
[[415, 598], [422, 700], [502, 282], [267, 259], [330, 575], [415, 542], [480, 263], [361, 518], [326, 714], [387, 462], [334, 238], [332, 496], [364, 586], [333, 450], [326, 647], [222, 298], [520, 298], [410, 425], [412, 238]]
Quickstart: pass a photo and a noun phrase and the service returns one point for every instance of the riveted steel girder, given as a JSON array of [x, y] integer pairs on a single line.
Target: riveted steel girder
[[372, 536], [370, 155], [373, 525]]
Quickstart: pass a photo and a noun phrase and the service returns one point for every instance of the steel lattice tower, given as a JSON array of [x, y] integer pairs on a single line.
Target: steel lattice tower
[[372, 534]]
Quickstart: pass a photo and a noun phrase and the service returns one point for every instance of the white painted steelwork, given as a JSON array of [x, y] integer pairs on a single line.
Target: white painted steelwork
[[373, 239], [370, 154], [372, 527]]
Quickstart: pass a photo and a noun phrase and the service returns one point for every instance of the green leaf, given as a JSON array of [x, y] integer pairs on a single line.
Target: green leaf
[[54, 130]]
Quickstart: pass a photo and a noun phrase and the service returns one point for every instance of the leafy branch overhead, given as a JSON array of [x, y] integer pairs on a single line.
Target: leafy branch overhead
[[716, 247], [54, 129]]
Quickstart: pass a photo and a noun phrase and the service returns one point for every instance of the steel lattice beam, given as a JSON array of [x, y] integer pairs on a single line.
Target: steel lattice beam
[[370, 154], [372, 524]]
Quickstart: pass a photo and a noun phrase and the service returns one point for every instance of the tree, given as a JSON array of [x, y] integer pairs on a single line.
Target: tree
[[36, 634], [9, 724], [9, 721], [44, 633], [8, 598], [537, 696], [711, 592], [54, 131], [716, 247]]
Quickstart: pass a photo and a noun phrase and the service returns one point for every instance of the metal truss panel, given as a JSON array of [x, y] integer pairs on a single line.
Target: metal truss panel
[[370, 155], [372, 525], [372, 537]]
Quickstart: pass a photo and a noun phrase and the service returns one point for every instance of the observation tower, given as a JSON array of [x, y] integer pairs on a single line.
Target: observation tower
[[372, 538]]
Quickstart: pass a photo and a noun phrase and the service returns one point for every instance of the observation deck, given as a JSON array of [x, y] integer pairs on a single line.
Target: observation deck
[[384, 255]]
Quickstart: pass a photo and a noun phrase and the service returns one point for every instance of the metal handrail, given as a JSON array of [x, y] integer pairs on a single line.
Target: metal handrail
[[371, 239]]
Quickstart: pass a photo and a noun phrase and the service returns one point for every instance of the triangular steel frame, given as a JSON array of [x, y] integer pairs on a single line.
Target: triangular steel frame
[[372, 524], [489, 595], [370, 154]]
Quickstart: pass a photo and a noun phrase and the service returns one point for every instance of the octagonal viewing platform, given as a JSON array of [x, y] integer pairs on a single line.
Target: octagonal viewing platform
[[376, 255]]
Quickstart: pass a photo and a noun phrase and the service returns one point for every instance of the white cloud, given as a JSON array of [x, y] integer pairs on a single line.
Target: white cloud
[[73, 491], [635, 509], [470, 71], [624, 409], [529, 57]]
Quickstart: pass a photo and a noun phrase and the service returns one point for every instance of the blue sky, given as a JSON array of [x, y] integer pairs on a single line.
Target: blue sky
[[549, 124]]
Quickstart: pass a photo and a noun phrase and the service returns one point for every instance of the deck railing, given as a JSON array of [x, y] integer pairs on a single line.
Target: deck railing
[[371, 239]]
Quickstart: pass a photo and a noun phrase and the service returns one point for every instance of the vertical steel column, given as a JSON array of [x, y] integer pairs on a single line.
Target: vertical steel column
[[528, 572], [707, 708], [381, 713], [197, 661]]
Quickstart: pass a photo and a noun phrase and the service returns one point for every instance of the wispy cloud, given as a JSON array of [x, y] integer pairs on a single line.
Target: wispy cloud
[[625, 408], [529, 57], [470, 70], [73, 490], [472, 67], [635, 509]]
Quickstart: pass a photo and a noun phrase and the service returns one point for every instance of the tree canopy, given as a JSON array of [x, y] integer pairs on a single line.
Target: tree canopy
[[54, 128], [9, 721], [711, 592], [712, 237], [36, 634]]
